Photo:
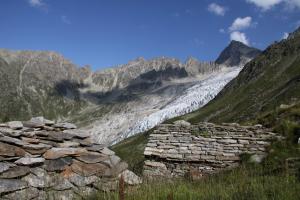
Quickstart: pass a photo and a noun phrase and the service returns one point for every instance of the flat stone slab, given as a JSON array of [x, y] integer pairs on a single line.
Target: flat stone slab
[[81, 181], [107, 151], [10, 150], [15, 172], [67, 144], [15, 125], [92, 157], [130, 178], [14, 141], [55, 153], [10, 185], [30, 161], [57, 164], [25, 194], [84, 169], [4, 166]]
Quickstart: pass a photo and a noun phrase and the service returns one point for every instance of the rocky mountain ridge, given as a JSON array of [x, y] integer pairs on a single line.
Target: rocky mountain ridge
[[121, 101]]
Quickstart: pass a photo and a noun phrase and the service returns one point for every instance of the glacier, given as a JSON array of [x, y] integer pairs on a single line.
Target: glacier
[[192, 99]]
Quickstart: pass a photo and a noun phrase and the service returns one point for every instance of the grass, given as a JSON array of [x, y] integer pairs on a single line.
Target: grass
[[244, 183], [131, 150]]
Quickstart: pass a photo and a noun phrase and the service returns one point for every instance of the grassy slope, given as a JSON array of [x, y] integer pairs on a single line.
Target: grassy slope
[[263, 85]]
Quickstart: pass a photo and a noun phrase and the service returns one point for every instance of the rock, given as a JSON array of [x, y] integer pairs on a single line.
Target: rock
[[81, 181], [30, 124], [30, 140], [37, 148], [63, 184], [10, 132], [15, 125], [30, 161], [11, 151], [95, 147], [65, 125], [57, 164], [11, 140], [68, 144], [15, 172], [107, 185], [78, 133], [85, 192], [39, 181], [182, 123], [84, 169], [130, 178], [114, 160], [4, 166], [92, 157], [115, 170], [107, 151], [25, 194], [55, 153], [10, 185], [48, 122], [257, 158]]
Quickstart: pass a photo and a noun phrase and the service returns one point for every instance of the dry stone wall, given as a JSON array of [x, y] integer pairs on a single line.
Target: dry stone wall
[[176, 150], [40, 159]]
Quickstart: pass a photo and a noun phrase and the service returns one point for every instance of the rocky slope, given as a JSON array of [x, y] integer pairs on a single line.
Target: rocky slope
[[237, 54], [266, 84], [113, 103]]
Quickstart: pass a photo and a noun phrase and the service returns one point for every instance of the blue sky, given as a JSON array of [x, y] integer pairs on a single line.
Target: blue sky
[[105, 33]]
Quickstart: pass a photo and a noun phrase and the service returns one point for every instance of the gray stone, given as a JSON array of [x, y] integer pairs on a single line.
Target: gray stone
[[30, 161], [85, 169], [107, 151], [61, 195], [81, 181], [67, 144], [25, 194], [92, 157], [130, 178], [4, 166], [63, 184], [95, 147], [257, 158], [30, 124], [15, 125], [57, 164], [39, 181], [10, 185], [14, 141], [15, 172], [182, 123]]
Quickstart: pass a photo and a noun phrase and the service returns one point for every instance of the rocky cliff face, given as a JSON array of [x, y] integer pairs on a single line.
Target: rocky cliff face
[[237, 54], [114, 103]]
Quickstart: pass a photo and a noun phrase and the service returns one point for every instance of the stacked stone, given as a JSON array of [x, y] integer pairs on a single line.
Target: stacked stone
[[40, 159], [175, 149]]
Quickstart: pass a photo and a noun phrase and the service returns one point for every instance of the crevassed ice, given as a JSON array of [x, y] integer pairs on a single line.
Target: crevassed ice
[[192, 99]]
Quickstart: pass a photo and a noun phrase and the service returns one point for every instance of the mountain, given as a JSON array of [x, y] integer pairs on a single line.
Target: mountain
[[112, 104], [237, 54], [267, 84]]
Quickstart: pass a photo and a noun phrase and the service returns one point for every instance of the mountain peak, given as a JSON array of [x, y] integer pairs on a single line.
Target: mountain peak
[[237, 54]]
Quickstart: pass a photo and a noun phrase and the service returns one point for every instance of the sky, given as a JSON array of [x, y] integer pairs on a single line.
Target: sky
[[104, 33]]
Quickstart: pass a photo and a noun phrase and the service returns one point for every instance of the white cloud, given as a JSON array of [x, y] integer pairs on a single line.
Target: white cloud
[[240, 24], [216, 9], [36, 3], [285, 35], [65, 19], [268, 4], [239, 36]]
